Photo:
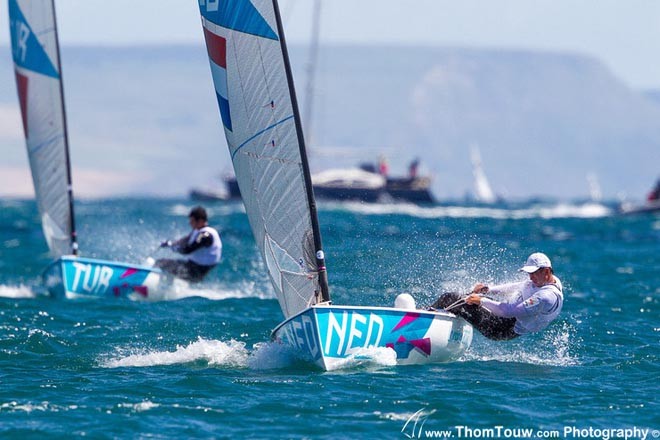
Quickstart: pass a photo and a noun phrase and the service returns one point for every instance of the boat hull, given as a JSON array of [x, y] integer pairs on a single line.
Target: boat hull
[[202, 195], [76, 277], [329, 334], [348, 193], [400, 189], [649, 207], [414, 190]]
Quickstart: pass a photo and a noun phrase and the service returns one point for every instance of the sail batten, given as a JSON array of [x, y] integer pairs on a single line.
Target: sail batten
[[35, 52], [259, 114]]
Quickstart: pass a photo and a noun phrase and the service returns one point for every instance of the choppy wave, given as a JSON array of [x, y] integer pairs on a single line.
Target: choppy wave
[[143, 406], [15, 406], [234, 354], [16, 292], [215, 292], [178, 291], [215, 353], [264, 356], [561, 210]]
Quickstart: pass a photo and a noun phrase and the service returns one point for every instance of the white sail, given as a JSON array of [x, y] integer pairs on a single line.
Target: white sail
[[595, 193], [38, 80], [482, 189], [259, 113]]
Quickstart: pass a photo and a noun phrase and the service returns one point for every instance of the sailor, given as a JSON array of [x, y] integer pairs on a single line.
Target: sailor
[[412, 169], [655, 193], [383, 167], [537, 302], [202, 246]]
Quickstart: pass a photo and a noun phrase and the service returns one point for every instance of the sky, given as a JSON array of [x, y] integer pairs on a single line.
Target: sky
[[624, 35]]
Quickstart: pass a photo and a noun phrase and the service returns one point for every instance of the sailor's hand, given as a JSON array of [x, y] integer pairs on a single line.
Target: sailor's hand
[[473, 299], [480, 288], [166, 243]]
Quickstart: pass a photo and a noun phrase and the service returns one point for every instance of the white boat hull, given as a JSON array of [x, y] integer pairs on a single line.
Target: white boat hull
[[328, 334], [648, 207], [75, 277]]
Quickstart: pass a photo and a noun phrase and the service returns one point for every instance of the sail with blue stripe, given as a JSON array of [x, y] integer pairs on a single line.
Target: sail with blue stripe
[[38, 79], [259, 114], [41, 98], [268, 153]]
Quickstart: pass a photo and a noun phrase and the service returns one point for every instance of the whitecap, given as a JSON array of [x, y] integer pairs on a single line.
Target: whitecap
[[560, 210], [16, 292], [214, 352], [27, 407], [143, 406]]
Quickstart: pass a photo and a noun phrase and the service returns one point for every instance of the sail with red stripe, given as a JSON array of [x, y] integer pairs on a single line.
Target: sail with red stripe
[[35, 53], [259, 113], [217, 49]]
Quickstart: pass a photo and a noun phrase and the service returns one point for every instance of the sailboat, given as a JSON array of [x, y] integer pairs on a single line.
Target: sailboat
[[482, 190], [35, 52], [260, 116], [651, 205], [595, 193]]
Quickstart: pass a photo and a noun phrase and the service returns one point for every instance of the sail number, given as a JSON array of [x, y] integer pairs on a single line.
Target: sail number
[[300, 333], [21, 33], [91, 278], [344, 333], [351, 331]]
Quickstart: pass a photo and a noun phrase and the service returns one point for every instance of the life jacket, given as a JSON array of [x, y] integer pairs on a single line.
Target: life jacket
[[209, 255]]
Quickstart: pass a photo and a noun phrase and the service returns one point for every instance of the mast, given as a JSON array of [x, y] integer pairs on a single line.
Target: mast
[[74, 242], [320, 256]]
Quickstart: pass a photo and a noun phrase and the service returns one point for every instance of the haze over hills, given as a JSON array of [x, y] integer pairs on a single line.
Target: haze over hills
[[143, 120], [529, 112]]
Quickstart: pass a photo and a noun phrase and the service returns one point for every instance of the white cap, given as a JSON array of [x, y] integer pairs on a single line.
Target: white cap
[[535, 262], [404, 301]]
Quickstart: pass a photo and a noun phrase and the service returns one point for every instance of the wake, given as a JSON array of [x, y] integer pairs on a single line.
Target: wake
[[235, 354], [555, 348], [213, 352]]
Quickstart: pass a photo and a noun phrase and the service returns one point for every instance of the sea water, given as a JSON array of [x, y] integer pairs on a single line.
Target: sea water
[[200, 364]]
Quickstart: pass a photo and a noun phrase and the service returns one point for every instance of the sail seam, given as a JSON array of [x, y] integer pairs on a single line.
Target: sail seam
[[35, 149], [270, 127]]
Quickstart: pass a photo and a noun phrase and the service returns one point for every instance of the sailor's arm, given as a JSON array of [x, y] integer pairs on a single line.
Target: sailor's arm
[[504, 309], [540, 302], [175, 245]]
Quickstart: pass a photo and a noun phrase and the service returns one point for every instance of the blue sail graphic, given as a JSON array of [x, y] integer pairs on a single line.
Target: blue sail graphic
[[26, 49], [238, 15]]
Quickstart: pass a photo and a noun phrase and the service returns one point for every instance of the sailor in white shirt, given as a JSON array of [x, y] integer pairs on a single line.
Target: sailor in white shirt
[[202, 246], [537, 302]]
